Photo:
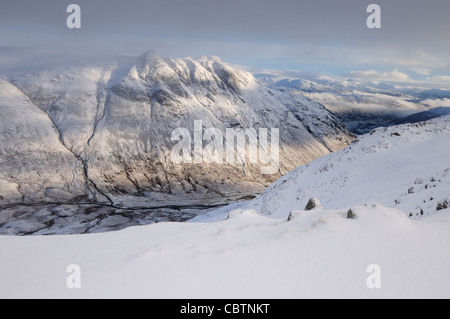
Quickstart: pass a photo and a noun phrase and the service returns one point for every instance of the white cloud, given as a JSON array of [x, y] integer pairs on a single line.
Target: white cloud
[[398, 61], [437, 103], [441, 80], [422, 71], [7, 61], [420, 62], [372, 75]]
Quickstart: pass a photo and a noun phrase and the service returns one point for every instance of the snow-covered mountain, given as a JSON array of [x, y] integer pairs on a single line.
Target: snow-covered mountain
[[403, 167], [256, 251], [363, 105], [102, 134], [33, 162]]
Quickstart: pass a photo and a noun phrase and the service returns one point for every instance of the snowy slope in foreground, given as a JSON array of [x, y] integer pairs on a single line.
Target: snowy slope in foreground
[[404, 167], [318, 254]]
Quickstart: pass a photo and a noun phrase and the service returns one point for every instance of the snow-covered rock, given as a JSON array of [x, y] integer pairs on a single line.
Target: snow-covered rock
[[313, 204]]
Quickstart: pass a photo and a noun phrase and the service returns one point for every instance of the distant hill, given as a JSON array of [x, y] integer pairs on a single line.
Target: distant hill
[[423, 116]]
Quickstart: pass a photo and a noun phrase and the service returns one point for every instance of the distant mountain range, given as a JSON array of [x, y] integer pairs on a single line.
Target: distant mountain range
[[364, 106], [423, 116]]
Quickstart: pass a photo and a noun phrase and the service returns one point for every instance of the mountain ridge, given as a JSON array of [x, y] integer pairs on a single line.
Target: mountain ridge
[[363, 105], [403, 167], [117, 120]]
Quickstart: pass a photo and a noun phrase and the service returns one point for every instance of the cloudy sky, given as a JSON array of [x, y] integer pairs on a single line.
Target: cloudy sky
[[317, 36]]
